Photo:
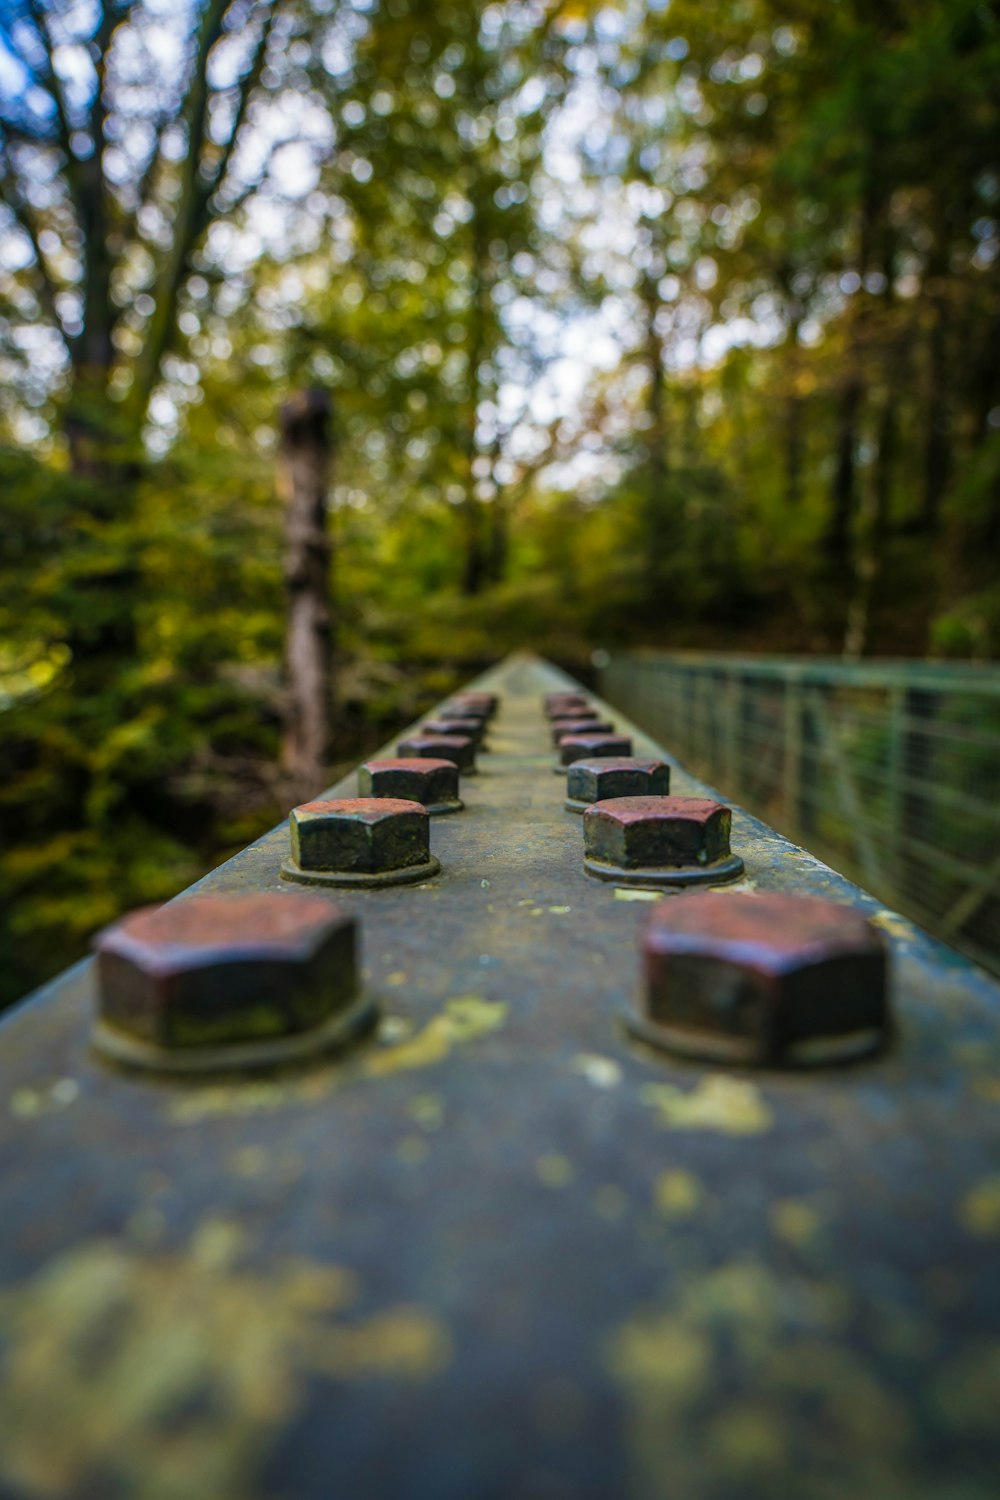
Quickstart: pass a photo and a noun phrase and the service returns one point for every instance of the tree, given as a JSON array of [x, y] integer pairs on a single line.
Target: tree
[[115, 158]]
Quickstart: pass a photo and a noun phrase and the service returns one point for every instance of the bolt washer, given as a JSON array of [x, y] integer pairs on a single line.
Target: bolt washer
[[408, 875], [652, 879], [236, 1057]]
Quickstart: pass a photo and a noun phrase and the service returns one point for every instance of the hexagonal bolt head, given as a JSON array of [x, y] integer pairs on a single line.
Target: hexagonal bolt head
[[589, 725], [763, 979], [557, 703], [227, 981], [460, 749], [485, 702], [475, 729], [659, 841], [598, 780], [432, 783], [360, 841], [586, 745], [473, 715]]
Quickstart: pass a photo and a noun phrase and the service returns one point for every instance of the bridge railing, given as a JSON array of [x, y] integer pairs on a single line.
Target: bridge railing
[[889, 770]]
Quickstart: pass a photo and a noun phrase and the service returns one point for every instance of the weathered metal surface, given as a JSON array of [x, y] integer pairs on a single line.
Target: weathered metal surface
[[503, 1252]]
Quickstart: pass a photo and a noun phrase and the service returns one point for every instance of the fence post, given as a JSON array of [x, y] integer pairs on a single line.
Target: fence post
[[792, 761], [733, 700]]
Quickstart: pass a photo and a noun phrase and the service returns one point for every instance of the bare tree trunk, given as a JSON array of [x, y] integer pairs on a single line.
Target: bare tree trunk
[[657, 503], [794, 434], [303, 476], [498, 541], [937, 450]]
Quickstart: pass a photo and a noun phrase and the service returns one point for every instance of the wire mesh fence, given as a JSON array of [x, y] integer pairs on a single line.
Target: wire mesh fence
[[890, 771]]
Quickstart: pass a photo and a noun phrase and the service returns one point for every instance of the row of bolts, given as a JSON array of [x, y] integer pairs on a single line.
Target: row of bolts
[[231, 982]]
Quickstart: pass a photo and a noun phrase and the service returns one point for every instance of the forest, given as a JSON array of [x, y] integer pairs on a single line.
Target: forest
[[641, 323]]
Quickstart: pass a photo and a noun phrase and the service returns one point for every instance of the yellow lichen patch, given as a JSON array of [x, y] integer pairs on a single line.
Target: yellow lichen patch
[[677, 1194], [750, 1436], [463, 1020], [658, 1356], [892, 923], [987, 1088], [602, 1072], [625, 893], [560, 911], [979, 1210], [405, 1341], [610, 1203], [744, 1368], [44, 1099], [795, 1222], [125, 1346], [396, 978], [963, 1392], [553, 1170], [729, 1106], [412, 1150], [427, 1110], [249, 1161], [224, 1100]]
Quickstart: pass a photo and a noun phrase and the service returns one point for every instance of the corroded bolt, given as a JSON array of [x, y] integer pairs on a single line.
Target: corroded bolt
[[465, 713], [556, 703], [584, 746], [763, 979], [658, 841], [590, 724], [228, 982], [360, 841], [607, 776], [460, 749], [475, 729], [574, 711], [489, 702], [432, 783]]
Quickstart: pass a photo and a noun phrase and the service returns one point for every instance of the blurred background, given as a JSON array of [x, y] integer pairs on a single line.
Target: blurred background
[[377, 338]]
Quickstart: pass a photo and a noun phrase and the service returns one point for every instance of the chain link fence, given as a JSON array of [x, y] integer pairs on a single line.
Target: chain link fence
[[889, 771]]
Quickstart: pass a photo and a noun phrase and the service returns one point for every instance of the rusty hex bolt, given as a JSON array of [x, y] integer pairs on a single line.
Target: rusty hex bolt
[[362, 841], [487, 702], [607, 776], [557, 703], [659, 841], [460, 749], [763, 979], [475, 729], [590, 724], [432, 783], [586, 745], [575, 714], [228, 982], [465, 713]]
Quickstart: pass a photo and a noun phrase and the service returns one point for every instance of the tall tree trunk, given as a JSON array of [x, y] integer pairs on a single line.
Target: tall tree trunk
[[843, 489], [794, 434], [657, 499], [303, 477], [937, 447], [498, 538]]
